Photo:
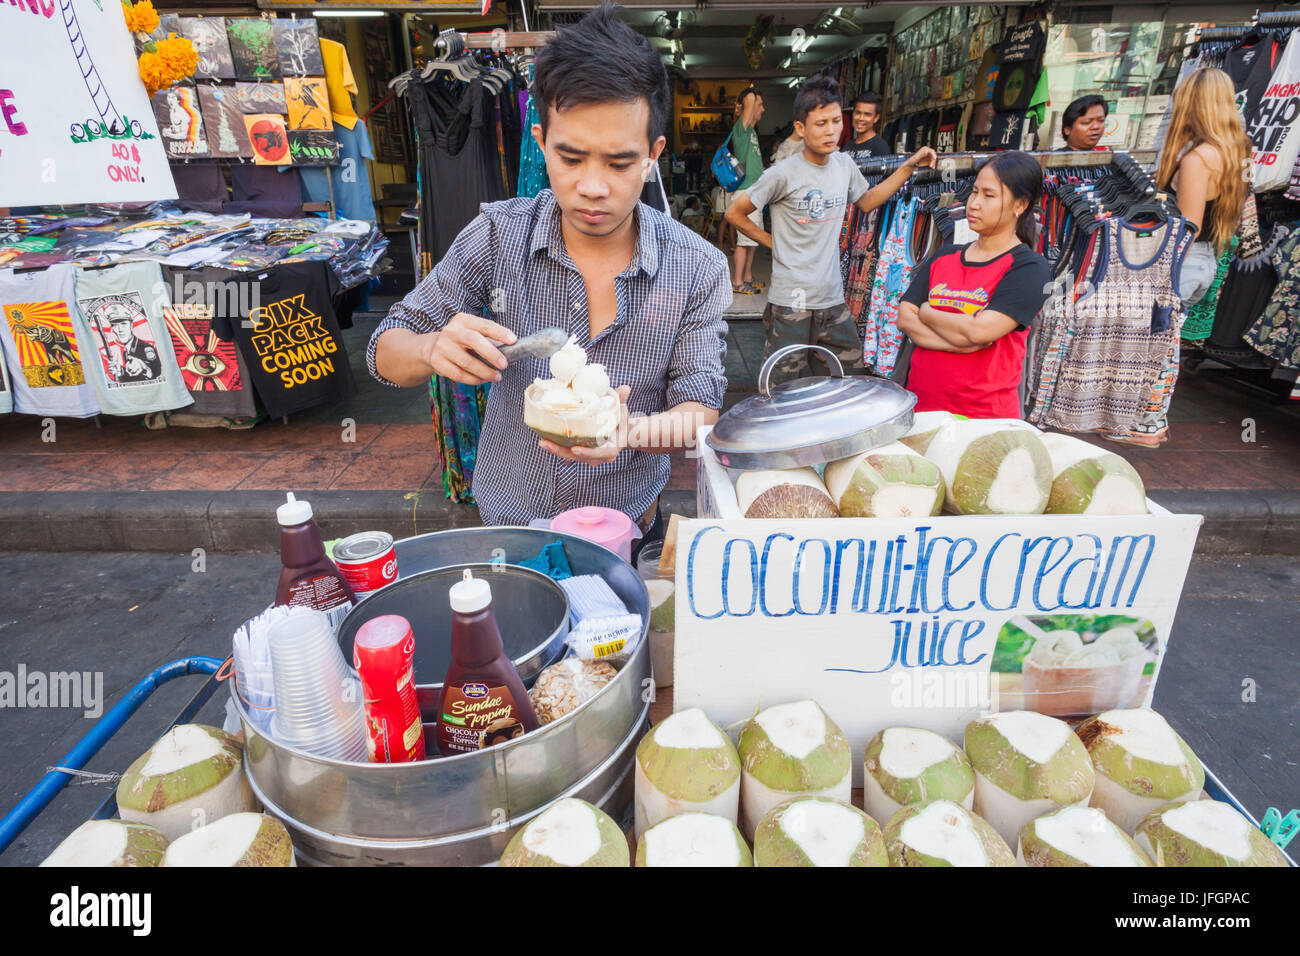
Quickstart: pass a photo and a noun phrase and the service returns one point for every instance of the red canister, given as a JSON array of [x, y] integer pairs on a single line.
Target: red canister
[[383, 653], [366, 561]]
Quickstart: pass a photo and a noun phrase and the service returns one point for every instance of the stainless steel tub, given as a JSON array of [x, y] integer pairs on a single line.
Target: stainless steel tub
[[462, 810]]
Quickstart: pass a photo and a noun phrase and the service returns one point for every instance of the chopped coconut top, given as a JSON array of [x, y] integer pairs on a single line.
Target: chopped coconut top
[[220, 843], [828, 833], [1214, 825], [94, 843], [689, 730], [567, 833], [1145, 735], [1067, 451], [1116, 495], [182, 746], [907, 752], [798, 728], [943, 829], [1015, 490], [751, 484], [1085, 834], [692, 839], [1037, 736]]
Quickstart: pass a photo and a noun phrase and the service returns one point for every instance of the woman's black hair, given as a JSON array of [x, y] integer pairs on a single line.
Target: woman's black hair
[[816, 93], [1023, 178], [600, 59], [1074, 112]]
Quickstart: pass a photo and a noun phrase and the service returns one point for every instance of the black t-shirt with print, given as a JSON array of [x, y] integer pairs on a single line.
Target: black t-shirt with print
[[945, 140], [1251, 67], [863, 153], [200, 329]]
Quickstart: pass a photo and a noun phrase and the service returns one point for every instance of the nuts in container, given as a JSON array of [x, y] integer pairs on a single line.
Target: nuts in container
[[564, 685]]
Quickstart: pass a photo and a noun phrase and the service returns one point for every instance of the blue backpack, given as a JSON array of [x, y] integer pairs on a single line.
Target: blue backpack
[[727, 169]]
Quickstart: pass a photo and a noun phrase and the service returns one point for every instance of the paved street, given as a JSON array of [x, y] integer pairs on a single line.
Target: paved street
[[125, 614]]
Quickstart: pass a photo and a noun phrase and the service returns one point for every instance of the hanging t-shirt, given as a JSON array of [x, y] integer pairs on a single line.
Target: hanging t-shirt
[[1022, 44], [865, 152], [212, 369], [1251, 66], [41, 344], [121, 311], [6, 393], [1015, 86], [291, 339], [983, 384], [1008, 130], [1273, 127], [945, 140]]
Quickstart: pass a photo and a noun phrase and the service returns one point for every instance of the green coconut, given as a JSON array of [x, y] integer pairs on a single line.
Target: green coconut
[[992, 466], [570, 832], [693, 839], [943, 833], [1141, 764], [791, 750], [1092, 481], [663, 622], [240, 839], [193, 775], [685, 764], [110, 843], [1026, 764], [925, 425], [892, 481], [906, 765], [1077, 836], [818, 831], [784, 493], [1205, 833]]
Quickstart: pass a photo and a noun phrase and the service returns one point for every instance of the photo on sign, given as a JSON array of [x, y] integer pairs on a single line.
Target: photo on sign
[[180, 121], [1075, 665], [46, 343], [313, 147], [208, 34], [309, 103], [298, 46], [121, 331], [269, 137], [261, 98], [224, 122], [252, 45]]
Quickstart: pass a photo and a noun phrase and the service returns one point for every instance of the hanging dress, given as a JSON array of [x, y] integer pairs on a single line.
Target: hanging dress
[[881, 338]]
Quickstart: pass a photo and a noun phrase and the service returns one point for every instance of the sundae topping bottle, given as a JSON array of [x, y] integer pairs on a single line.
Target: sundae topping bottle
[[483, 700], [309, 578]]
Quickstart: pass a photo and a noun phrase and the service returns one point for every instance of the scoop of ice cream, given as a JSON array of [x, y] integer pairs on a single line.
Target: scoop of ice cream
[[1055, 647], [591, 378], [568, 361]]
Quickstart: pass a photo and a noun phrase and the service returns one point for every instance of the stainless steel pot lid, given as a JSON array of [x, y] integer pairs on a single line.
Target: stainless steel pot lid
[[808, 421]]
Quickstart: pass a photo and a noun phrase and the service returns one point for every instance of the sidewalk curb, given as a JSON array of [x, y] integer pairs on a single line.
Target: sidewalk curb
[[1236, 522]]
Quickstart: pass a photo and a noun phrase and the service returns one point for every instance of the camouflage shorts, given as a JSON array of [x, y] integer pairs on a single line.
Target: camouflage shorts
[[831, 328]]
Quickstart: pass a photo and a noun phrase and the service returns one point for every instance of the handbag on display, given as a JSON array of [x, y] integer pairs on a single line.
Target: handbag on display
[[729, 171]]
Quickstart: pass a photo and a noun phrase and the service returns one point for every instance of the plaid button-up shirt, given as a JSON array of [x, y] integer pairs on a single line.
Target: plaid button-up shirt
[[667, 342]]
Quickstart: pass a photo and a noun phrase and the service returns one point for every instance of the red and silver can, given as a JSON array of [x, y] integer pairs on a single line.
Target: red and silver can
[[367, 561], [383, 653]]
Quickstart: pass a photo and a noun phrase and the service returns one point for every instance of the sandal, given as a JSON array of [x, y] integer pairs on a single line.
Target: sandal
[[745, 288], [757, 286]]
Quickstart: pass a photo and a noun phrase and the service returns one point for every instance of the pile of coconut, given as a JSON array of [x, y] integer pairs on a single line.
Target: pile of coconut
[[954, 464], [184, 802], [577, 405]]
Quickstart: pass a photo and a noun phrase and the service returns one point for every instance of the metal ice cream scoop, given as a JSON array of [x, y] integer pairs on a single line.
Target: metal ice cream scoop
[[541, 345]]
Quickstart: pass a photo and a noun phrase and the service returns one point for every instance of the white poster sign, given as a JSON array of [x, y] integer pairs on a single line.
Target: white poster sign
[[925, 623], [1272, 127], [75, 123]]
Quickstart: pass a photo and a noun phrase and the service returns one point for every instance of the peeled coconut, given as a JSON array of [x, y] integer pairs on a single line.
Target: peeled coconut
[[992, 466], [193, 775], [1141, 764], [571, 832], [110, 843], [663, 610], [784, 493], [693, 839], [818, 831], [1205, 833], [685, 764], [1026, 764], [241, 839], [925, 425], [892, 481], [906, 765], [943, 833], [576, 406], [1087, 480], [1077, 836], [791, 750]]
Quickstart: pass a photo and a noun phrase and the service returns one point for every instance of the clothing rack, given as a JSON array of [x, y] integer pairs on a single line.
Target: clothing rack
[[1047, 159], [453, 43], [1276, 20]]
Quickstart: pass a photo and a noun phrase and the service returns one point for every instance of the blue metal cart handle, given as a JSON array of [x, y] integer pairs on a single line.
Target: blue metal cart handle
[[41, 795]]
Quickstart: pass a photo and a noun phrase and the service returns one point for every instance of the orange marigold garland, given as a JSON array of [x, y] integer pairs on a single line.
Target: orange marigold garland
[[163, 63]]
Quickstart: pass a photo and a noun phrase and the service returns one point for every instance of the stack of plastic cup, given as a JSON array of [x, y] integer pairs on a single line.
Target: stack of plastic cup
[[318, 699]]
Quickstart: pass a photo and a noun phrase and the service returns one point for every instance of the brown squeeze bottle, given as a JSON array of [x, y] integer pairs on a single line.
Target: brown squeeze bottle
[[309, 578], [483, 700]]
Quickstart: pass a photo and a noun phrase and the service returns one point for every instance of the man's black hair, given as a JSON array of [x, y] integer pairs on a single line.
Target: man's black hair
[[600, 59], [1074, 112], [871, 99], [817, 92]]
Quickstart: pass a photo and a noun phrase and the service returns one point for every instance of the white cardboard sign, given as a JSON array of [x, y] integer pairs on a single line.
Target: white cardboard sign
[[75, 124], [899, 622]]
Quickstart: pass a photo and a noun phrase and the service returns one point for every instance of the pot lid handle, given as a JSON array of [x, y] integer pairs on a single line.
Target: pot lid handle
[[837, 370]]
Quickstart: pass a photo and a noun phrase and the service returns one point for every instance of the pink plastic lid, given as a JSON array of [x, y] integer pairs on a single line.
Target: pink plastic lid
[[387, 630], [604, 526]]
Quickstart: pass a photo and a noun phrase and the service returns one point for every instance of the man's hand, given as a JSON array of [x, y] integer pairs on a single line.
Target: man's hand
[[601, 453], [925, 156], [466, 351]]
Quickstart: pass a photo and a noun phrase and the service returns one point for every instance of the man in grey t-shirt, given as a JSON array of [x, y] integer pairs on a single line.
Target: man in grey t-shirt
[[807, 195]]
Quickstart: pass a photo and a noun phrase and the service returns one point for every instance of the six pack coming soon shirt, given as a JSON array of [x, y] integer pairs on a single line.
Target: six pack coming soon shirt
[[983, 384]]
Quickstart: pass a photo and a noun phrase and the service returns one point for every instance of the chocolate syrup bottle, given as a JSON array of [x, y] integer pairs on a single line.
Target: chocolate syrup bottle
[[309, 578], [483, 700]]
